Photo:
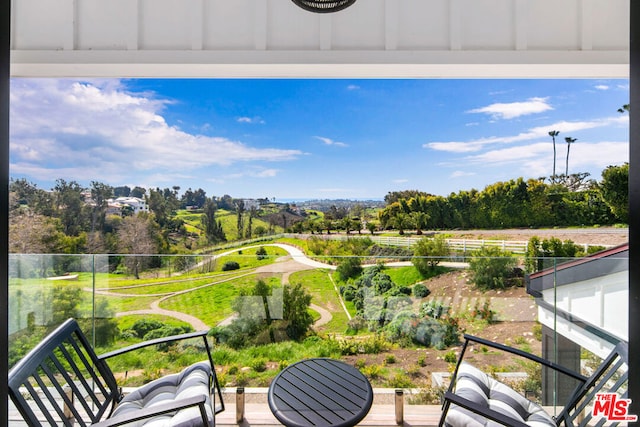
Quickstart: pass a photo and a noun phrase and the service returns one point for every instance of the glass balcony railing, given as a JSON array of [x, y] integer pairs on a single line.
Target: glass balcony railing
[[398, 318]]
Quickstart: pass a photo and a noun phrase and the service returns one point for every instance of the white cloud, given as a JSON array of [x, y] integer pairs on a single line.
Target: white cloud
[[514, 109], [455, 146], [400, 181], [265, 173], [537, 159], [251, 120], [99, 130], [531, 134], [353, 87], [602, 87], [329, 141], [461, 174]]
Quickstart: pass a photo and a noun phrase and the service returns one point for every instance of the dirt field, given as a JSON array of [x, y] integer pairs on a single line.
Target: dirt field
[[594, 236]]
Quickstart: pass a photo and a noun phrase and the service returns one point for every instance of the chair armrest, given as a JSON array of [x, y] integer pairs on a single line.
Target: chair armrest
[[481, 410], [527, 355], [156, 410], [153, 342]]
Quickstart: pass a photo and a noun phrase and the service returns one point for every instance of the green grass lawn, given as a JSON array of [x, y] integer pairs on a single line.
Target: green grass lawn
[[404, 276], [323, 293], [212, 304]]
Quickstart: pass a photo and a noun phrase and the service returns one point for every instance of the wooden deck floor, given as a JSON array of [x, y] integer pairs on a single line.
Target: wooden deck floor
[[258, 415], [382, 413]]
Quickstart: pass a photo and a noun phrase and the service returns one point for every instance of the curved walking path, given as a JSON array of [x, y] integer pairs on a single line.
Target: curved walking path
[[295, 261]]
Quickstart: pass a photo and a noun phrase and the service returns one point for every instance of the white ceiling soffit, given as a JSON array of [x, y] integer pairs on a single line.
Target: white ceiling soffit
[[275, 38]]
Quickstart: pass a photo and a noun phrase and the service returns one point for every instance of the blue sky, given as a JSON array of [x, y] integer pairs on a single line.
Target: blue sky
[[307, 138]]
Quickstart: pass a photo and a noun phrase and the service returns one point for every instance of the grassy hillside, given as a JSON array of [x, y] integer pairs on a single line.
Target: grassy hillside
[[228, 219]]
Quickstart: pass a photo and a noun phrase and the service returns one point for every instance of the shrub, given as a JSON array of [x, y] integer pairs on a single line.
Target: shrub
[[372, 371], [491, 267], [420, 291], [144, 326], [450, 357], [259, 365], [230, 265], [484, 312], [400, 380], [433, 309], [261, 253], [422, 361], [166, 331], [349, 268], [428, 252]]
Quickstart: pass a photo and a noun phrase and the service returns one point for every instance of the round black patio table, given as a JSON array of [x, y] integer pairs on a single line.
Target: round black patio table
[[320, 392]]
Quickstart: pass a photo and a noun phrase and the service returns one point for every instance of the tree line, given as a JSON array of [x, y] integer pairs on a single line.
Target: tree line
[[72, 219], [563, 201]]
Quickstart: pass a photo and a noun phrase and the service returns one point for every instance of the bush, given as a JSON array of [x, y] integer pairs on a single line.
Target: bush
[[450, 357], [166, 331], [349, 268], [420, 291], [484, 312], [261, 253], [433, 309], [144, 326], [230, 265], [491, 267], [428, 252]]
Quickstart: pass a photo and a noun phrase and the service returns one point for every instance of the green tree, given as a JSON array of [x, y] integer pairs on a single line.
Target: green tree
[[349, 268], [212, 228], [420, 220], [70, 203], [122, 191], [240, 209], [402, 221], [428, 252], [614, 189], [347, 224], [261, 253], [65, 303], [296, 303], [372, 227], [139, 192], [491, 267], [100, 193]]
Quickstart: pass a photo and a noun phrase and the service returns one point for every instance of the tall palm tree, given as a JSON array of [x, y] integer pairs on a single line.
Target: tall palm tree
[[553, 135], [624, 108], [569, 141]]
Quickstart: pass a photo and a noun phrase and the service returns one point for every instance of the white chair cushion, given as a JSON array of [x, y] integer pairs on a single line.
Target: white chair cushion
[[193, 381], [478, 387]]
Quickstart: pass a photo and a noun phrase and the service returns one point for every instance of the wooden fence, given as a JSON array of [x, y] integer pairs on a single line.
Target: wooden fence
[[456, 245]]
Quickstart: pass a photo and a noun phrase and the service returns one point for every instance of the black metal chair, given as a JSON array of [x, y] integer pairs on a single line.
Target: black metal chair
[[62, 381], [475, 399]]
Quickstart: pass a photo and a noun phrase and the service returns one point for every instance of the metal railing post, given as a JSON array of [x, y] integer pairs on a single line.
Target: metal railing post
[[399, 406], [239, 405]]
